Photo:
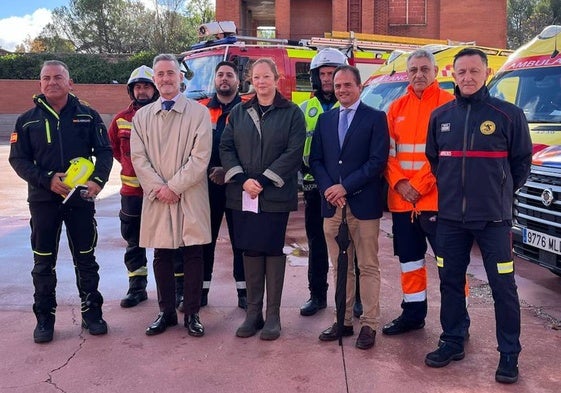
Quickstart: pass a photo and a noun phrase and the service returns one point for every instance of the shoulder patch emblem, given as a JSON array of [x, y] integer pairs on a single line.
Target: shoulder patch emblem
[[13, 137], [487, 127], [445, 127], [313, 112]]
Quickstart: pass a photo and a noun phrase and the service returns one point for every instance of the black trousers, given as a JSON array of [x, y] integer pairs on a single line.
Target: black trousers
[[192, 280], [81, 230], [454, 243], [135, 256], [318, 262], [217, 200]]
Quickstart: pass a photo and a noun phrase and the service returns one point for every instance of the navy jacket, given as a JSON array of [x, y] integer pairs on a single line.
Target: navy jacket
[[44, 142], [480, 151], [358, 165]]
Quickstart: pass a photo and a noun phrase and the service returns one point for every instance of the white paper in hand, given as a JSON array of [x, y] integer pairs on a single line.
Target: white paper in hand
[[248, 204]]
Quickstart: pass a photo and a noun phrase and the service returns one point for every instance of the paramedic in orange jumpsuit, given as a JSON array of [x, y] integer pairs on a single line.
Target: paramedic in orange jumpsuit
[[412, 194]]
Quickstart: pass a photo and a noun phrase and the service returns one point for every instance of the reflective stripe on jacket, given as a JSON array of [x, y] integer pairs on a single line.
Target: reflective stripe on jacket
[[120, 135], [480, 149], [312, 108], [408, 119], [218, 117], [45, 141]]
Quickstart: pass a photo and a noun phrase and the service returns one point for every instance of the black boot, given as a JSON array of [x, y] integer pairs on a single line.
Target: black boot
[[274, 275], [242, 298], [204, 297], [179, 293], [136, 293], [507, 371], [313, 305], [45, 328], [255, 278], [92, 319]]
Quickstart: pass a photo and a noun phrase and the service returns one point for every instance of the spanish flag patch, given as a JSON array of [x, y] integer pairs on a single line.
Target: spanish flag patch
[[14, 137]]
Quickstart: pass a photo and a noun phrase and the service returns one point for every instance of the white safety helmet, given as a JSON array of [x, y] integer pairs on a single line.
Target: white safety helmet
[[142, 74], [326, 57]]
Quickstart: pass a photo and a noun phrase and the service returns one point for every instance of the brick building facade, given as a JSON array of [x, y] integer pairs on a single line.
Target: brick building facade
[[16, 97], [483, 21]]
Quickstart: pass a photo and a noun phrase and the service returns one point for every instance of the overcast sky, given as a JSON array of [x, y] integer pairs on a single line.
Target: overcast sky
[[26, 18]]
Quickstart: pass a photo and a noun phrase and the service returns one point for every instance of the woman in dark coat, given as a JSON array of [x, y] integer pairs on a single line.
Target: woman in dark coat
[[261, 151]]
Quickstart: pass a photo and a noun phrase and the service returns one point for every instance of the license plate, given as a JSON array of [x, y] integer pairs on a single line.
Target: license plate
[[541, 240]]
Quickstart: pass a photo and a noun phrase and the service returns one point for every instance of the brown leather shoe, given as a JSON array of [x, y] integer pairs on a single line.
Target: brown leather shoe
[[366, 338], [330, 334]]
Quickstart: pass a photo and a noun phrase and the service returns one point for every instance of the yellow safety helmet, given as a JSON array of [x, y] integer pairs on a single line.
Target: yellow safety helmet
[[78, 172]]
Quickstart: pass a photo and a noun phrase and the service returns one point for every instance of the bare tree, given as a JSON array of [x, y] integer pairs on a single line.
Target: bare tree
[[176, 23], [519, 12], [527, 18], [98, 26], [170, 27], [127, 26], [556, 11]]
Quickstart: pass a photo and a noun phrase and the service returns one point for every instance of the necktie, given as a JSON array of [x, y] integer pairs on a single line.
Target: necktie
[[343, 124], [167, 105]]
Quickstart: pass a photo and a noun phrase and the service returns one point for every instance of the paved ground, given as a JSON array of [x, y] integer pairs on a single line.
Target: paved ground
[[126, 360]]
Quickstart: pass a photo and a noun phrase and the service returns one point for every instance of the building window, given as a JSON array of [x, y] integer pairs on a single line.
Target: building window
[[355, 12], [408, 12]]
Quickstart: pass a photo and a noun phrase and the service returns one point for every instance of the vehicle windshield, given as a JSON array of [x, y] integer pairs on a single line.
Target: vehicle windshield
[[537, 91], [199, 76], [381, 95]]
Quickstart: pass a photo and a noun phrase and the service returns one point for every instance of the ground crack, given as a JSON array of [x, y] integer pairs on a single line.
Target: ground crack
[[75, 321], [538, 311]]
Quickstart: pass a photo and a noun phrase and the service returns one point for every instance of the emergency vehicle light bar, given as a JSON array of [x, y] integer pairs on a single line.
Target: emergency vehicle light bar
[[344, 43]]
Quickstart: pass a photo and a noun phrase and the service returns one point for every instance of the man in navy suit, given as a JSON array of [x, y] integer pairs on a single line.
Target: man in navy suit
[[348, 157]]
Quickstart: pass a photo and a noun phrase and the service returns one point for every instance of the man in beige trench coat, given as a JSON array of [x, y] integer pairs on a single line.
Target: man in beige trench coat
[[171, 143]]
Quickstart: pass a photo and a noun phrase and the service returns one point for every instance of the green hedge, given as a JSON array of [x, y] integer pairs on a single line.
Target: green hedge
[[84, 68]]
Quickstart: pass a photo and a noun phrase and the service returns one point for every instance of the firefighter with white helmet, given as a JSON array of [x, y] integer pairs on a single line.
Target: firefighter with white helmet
[[142, 91], [321, 74], [142, 75], [328, 57]]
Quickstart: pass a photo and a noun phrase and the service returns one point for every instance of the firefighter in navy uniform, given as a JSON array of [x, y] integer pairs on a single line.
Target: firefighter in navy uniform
[[321, 75], [226, 83], [480, 150], [58, 129]]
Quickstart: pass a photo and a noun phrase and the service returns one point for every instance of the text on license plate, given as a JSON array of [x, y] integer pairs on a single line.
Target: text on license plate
[[541, 240]]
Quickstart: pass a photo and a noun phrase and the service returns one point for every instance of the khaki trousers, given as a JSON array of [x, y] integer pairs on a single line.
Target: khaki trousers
[[364, 241]]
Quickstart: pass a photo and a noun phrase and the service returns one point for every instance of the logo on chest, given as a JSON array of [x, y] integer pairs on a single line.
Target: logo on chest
[[487, 127], [445, 127]]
